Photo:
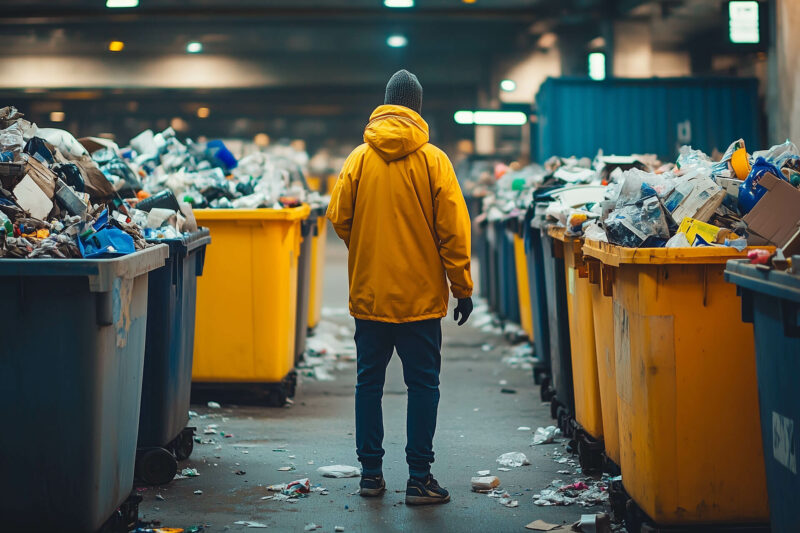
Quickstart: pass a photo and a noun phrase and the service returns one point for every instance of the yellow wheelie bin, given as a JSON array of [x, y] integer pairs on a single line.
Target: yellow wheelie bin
[[317, 270], [247, 301], [523, 289], [588, 412], [687, 400]]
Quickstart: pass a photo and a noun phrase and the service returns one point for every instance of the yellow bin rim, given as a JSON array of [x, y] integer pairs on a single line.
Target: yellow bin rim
[[288, 214], [560, 234], [614, 255]]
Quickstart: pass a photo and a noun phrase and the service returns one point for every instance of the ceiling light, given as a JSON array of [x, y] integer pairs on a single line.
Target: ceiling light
[[178, 124], [508, 86], [398, 3], [597, 66], [194, 47], [491, 118], [468, 1], [122, 3], [116, 46], [261, 139], [57, 116], [203, 112], [397, 41]]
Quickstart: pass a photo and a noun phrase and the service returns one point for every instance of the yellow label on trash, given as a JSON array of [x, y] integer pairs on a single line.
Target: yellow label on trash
[[692, 228]]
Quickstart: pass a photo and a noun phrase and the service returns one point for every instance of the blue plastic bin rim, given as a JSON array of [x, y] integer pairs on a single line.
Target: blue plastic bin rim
[[101, 272], [776, 283], [187, 243]]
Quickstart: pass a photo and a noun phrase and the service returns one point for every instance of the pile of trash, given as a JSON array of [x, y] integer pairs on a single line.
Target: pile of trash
[[585, 492], [56, 202], [292, 492], [742, 200]]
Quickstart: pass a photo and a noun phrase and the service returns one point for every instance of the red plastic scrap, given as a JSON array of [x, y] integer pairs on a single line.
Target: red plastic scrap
[[759, 257]]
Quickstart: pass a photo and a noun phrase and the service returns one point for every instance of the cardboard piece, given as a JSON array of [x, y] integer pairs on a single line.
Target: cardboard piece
[[484, 483], [31, 198], [696, 198], [541, 525], [43, 176], [97, 185], [93, 144], [776, 217]]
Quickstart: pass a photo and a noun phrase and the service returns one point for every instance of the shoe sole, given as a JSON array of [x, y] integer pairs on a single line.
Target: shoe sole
[[371, 493], [426, 500]]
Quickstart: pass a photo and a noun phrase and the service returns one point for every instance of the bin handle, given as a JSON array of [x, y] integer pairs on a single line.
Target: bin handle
[[608, 280], [747, 304], [791, 318], [594, 273]]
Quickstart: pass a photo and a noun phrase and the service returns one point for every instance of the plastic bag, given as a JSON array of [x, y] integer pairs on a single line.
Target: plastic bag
[[339, 471], [779, 154], [11, 139], [513, 459], [635, 224], [678, 240], [545, 435]]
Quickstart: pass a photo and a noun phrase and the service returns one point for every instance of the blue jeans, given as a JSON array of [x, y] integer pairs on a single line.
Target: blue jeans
[[419, 346]]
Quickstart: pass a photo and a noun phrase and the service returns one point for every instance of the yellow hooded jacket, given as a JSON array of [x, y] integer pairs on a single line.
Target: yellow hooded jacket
[[399, 209]]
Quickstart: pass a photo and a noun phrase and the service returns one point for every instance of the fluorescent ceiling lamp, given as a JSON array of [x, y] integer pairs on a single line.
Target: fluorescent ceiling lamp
[[57, 116], [743, 22], [203, 112], [398, 3], [194, 47], [491, 118], [116, 46], [397, 41], [597, 66], [122, 3], [508, 86]]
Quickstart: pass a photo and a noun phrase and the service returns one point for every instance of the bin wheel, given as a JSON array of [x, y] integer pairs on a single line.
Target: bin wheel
[[184, 444], [545, 391], [590, 455], [156, 466], [292, 384], [124, 518], [539, 375], [276, 397], [563, 421], [618, 499], [554, 405], [634, 517]]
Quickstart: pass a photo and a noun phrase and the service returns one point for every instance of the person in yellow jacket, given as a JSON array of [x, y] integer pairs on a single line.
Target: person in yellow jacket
[[399, 209]]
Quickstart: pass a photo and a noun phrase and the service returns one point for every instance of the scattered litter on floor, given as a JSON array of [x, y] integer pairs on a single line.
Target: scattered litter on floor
[[487, 347], [508, 391], [503, 498], [338, 529], [541, 525], [595, 523], [214, 405], [339, 471], [503, 382], [198, 492], [483, 472], [286, 468], [193, 414], [521, 357], [513, 459], [240, 472], [190, 472], [484, 483], [160, 497], [312, 527], [248, 523], [504, 469], [545, 435], [523, 428], [585, 493]]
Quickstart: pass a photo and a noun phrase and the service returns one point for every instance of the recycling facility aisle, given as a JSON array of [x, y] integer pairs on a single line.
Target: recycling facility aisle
[[485, 399]]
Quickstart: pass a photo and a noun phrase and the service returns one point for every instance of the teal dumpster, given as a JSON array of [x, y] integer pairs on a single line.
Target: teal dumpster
[[771, 302], [164, 437], [73, 335]]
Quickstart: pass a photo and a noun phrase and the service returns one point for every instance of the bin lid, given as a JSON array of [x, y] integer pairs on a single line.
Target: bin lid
[[560, 234], [613, 255], [780, 284], [288, 214], [101, 272]]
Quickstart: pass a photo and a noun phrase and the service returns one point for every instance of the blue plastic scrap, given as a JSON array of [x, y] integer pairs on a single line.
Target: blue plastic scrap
[[750, 192]]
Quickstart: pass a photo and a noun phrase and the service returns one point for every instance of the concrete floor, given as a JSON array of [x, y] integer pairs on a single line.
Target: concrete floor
[[477, 423]]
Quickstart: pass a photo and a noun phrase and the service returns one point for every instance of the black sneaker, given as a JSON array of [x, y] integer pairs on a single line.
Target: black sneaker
[[372, 486], [422, 492]]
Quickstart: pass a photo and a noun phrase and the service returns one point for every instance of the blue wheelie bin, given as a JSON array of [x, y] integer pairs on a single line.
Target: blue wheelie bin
[[492, 272], [164, 437], [539, 314], [562, 403], [771, 302], [508, 271], [73, 335]]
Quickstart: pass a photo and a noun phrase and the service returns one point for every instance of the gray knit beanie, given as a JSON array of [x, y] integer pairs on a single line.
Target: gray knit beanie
[[404, 89]]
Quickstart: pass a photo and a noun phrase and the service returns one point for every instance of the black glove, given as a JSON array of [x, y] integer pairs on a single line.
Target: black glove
[[464, 308]]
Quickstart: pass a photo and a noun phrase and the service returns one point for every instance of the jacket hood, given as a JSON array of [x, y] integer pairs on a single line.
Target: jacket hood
[[395, 131]]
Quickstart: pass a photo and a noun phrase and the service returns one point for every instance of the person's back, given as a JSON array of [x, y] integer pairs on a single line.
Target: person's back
[[398, 207]]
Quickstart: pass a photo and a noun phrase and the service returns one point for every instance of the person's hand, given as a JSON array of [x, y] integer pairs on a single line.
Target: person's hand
[[464, 308]]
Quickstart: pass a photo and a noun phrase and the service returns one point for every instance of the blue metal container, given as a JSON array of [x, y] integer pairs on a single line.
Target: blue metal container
[[166, 387], [73, 342], [508, 274], [771, 301], [493, 240], [537, 289], [578, 116]]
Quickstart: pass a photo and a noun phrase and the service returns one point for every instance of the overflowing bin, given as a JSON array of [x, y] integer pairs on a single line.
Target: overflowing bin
[[690, 445], [318, 242], [307, 228], [247, 301], [588, 412], [509, 296], [164, 437], [71, 382], [523, 288], [771, 302]]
